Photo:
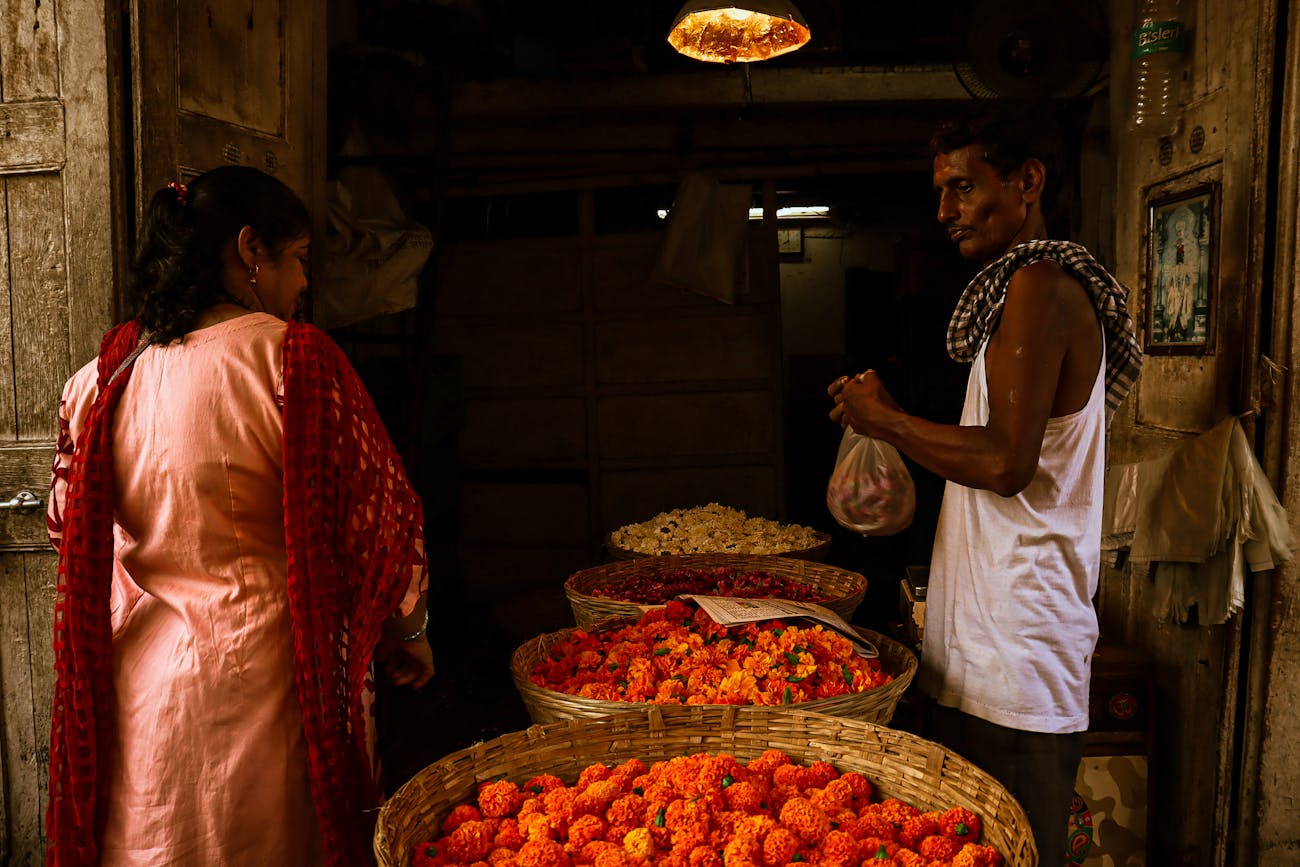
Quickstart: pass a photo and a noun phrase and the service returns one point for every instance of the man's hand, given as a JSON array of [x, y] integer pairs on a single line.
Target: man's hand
[[862, 403]]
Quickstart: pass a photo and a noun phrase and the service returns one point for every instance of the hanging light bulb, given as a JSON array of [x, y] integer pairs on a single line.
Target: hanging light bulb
[[723, 33]]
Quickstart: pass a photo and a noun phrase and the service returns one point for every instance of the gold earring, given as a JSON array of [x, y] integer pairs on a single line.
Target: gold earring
[[252, 277]]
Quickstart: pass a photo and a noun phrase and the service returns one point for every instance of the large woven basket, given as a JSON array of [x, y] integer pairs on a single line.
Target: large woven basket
[[844, 588], [898, 764], [818, 552], [548, 705]]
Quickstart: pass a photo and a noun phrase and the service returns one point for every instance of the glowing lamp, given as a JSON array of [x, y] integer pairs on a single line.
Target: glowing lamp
[[721, 33]]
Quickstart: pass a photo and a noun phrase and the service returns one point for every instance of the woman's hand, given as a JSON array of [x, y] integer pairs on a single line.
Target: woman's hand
[[408, 663]]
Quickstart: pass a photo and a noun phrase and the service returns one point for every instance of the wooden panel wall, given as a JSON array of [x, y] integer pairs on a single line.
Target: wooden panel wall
[[594, 398], [1198, 668]]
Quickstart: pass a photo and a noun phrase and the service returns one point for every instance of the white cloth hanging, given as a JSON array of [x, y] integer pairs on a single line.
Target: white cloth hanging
[[1196, 520]]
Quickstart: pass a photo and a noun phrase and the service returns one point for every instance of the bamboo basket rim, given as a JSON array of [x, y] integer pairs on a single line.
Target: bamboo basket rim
[[845, 587], [546, 705], [897, 763]]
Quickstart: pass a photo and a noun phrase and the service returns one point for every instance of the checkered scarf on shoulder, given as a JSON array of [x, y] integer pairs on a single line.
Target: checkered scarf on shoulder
[[980, 306]]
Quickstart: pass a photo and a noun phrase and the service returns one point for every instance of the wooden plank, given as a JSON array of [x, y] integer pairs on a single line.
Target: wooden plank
[[98, 220], [29, 61], [41, 572], [683, 350], [514, 356], [8, 412], [39, 315], [25, 468], [527, 431], [233, 64], [22, 742], [522, 514], [708, 89], [515, 277], [31, 137], [723, 423]]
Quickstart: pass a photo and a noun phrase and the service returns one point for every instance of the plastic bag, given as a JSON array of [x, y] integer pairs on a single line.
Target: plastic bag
[[870, 490]]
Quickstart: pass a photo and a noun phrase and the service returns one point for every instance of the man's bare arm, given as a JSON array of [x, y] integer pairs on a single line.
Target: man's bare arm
[[1024, 363]]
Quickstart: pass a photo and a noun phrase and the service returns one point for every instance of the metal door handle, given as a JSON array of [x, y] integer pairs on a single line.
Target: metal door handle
[[22, 500]]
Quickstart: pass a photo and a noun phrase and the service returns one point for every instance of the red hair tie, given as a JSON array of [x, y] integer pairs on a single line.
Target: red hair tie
[[182, 192]]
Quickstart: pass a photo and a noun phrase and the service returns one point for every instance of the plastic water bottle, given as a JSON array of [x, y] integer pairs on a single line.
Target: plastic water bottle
[[1159, 68]]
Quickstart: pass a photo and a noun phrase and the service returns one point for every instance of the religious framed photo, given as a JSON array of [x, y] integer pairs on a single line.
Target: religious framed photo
[[1182, 268]]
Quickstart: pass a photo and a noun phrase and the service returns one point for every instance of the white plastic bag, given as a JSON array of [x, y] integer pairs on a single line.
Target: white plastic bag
[[870, 490]]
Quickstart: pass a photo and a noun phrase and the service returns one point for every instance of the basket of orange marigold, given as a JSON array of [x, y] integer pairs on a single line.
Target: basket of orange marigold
[[678, 655], [626, 588], [704, 787]]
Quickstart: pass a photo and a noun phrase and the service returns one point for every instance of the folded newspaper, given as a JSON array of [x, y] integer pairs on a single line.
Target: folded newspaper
[[731, 610]]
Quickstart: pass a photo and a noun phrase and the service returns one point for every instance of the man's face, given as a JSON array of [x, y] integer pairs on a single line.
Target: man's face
[[982, 212]]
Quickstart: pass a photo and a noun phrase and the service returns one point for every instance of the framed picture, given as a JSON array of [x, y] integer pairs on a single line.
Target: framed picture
[[1182, 266]]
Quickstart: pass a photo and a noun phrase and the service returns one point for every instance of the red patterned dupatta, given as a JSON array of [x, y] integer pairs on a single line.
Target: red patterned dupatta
[[352, 531]]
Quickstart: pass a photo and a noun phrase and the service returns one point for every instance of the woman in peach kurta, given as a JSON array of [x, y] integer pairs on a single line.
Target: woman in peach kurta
[[208, 761]]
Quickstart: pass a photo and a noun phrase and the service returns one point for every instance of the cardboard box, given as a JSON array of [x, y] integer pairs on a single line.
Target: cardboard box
[[912, 602]]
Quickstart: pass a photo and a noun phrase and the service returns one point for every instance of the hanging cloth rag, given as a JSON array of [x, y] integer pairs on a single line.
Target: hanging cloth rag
[[1196, 520], [705, 247]]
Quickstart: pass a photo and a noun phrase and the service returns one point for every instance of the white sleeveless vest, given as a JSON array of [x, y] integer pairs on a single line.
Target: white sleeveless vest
[[1009, 624]]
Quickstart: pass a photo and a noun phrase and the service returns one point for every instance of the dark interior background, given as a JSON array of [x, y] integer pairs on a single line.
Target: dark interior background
[[394, 66]]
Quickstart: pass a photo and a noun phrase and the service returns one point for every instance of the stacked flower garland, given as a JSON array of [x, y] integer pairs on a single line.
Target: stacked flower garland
[[656, 588], [679, 655], [702, 811]]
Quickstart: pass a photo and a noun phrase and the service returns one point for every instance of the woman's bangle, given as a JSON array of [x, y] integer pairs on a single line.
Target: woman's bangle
[[419, 632]]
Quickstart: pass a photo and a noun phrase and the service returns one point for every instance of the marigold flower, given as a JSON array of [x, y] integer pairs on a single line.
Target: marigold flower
[[503, 857], [508, 835], [705, 856], [790, 776], [742, 850], [819, 774], [542, 853], [612, 858], [976, 855], [960, 824], [837, 849], [428, 855], [836, 796], [537, 826], [585, 829], [626, 808], [541, 784], [501, 798], [917, 828], [939, 848], [769, 761], [743, 797], [807, 821], [459, 815], [897, 811], [638, 844], [861, 786], [779, 847], [593, 773], [471, 841], [869, 848]]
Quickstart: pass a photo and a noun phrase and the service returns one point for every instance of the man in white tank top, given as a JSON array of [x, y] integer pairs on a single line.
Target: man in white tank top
[[1010, 626]]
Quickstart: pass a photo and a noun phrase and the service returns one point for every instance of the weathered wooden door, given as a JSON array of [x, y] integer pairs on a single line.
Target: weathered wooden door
[[224, 82], [212, 83], [56, 279]]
